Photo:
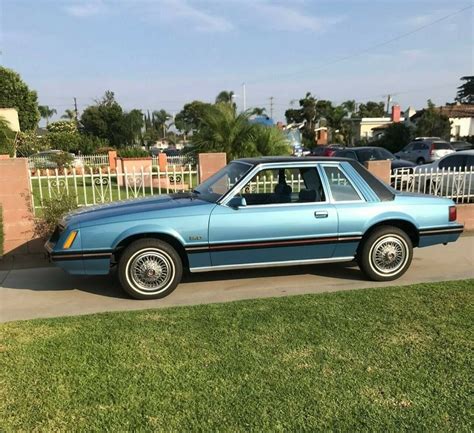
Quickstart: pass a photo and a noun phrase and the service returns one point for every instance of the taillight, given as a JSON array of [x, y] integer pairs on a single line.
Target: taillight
[[330, 152], [452, 213], [432, 149]]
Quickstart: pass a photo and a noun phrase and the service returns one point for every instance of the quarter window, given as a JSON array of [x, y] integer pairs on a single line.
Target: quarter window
[[341, 188]]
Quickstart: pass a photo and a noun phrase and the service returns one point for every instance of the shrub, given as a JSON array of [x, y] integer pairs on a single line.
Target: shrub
[[132, 152], [62, 159], [53, 210], [76, 143], [104, 150], [68, 126], [29, 143]]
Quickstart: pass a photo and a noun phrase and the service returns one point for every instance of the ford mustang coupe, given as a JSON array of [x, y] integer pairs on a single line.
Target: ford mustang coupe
[[255, 212]]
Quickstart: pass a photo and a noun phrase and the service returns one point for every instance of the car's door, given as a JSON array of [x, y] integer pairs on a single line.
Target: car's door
[[405, 152], [287, 218]]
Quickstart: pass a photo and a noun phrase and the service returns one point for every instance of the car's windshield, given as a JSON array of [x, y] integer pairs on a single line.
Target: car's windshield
[[222, 181]]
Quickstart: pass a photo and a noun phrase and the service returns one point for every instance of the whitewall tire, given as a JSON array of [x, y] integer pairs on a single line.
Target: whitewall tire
[[386, 254], [149, 269]]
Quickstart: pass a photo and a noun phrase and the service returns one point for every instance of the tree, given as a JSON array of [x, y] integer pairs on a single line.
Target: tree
[[350, 106], [223, 130], [69, 114], [188, 119], [46, 112], [396, 136], [259, 111], [226, 97], [107, 120], [465, 94], [14, 93], [433, 124], [307, 113], [371, 109]]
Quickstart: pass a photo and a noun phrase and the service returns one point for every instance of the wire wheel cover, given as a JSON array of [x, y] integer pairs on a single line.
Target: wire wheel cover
[[151, 270], [388, 255]]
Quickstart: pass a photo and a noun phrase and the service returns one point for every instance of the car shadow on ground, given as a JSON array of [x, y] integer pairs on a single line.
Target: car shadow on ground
[[52, 279]]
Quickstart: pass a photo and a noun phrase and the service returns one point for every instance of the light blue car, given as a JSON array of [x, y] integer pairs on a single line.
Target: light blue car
[[255, 213]]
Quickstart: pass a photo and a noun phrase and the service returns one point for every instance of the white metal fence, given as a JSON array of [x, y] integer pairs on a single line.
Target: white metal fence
[[176, 160], [457, 184], [101, 160], [91, 186]]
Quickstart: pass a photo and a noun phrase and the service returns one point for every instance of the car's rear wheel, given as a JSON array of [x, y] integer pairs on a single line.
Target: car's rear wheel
[[149, 269], [420, 161], [386, 254]]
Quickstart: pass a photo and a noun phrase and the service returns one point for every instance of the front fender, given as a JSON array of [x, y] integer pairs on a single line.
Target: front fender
[[140, 229]]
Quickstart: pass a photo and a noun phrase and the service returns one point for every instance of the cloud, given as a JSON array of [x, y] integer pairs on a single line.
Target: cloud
[[424, 19], [188, 15], [286, 18], [85, 8]]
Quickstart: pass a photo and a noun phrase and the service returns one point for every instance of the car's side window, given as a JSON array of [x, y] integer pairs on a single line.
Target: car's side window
[[284, 185], [341, 188]]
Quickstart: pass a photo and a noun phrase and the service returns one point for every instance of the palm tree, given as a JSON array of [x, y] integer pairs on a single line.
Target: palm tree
[[46, 112], [221, 129], [225, 96], [259, 111], [69, 114]]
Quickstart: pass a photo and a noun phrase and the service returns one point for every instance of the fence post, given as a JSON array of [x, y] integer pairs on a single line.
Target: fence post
[[112, 159], [17, 206], [380, 169], [162, 161], [210, 163]]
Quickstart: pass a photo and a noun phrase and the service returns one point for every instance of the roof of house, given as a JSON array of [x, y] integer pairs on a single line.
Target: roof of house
[[451, 111]]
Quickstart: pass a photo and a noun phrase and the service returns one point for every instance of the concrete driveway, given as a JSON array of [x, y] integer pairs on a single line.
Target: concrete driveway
[[48, 292]]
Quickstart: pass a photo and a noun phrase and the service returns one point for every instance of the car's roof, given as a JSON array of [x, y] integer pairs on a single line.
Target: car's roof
[[284, 159], [463, 152]]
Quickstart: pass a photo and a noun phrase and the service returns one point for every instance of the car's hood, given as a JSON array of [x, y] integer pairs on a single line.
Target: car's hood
[[123, 210]]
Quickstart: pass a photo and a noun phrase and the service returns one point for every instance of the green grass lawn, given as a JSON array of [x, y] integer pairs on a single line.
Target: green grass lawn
[[388, 359]]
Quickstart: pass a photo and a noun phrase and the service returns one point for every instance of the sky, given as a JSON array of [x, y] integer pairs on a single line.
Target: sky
[[158, 54]]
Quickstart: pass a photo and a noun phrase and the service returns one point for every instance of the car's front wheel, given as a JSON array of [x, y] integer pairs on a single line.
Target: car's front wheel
[[386, 254], [149, 269]]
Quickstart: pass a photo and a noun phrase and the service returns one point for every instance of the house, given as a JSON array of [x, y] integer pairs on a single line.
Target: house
[[11, 116], [460, 115], [368, 128]]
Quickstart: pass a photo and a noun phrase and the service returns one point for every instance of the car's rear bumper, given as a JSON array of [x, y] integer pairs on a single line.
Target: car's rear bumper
[[440, 235]]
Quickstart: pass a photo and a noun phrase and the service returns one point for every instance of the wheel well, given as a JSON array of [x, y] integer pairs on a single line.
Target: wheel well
[[404, 225], [175, 243]]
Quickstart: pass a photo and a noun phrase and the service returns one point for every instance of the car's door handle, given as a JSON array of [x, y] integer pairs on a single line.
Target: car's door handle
[[321, 214]]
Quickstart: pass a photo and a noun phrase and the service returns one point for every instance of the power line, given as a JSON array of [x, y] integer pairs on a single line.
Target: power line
[[370, 48]]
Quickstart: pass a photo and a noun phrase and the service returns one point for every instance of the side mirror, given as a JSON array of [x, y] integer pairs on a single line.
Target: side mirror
[[236, 202]]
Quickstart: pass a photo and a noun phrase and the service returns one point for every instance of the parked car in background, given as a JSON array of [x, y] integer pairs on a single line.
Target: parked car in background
[[255, 213], [329, 150], [422, 151], [461, 145], [48, 159], [367, 153]]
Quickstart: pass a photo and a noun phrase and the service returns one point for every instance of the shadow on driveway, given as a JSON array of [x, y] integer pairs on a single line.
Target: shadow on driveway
[[52, 279]]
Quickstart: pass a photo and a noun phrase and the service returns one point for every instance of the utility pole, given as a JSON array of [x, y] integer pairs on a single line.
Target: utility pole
[[244, 96], [389, 100], [75, 109], [271, 107]]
